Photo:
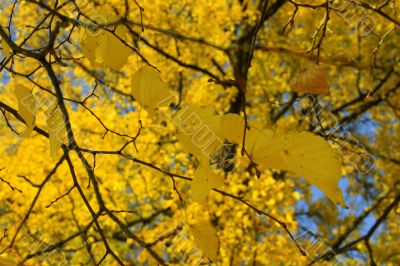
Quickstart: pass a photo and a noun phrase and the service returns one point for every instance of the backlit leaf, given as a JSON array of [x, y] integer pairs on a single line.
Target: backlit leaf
[[149, 90], [104, 49], [27, 105], [204, 180], [116, 52], [206, 239], [307, 155], [231, 127], [197, 130], [57, 130], [256, 137]]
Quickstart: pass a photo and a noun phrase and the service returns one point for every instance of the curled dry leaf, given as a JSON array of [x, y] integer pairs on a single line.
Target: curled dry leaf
[[313, 79]]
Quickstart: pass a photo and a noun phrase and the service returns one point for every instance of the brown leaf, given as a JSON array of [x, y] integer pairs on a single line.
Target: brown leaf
[[312, 80]]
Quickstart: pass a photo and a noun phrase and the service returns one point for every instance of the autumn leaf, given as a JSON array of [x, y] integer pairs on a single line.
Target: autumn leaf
[[197, 128], [57, 130], [116, 52], [89, 43], [157, 93], [305, 154], [204, 180], [105, 49], [149, 90], [27, 105], [256, 137], [231, 127], [206, 239], [313, 79]]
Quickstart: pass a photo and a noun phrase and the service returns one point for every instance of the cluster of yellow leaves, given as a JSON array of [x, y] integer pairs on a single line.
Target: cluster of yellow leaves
[[235, 129], [199, 128], [303, 153]]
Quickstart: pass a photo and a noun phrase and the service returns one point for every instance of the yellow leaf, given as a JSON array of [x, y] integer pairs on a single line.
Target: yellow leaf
[[57, 130], [204, 180], [191, 118], [256, 138], [197, 130], [231, 128], [206, 239], [27, 105], [149, 90], [312, 80], [90, 41], [117, 52], [104, 49], [307, 155], [100, 51]]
